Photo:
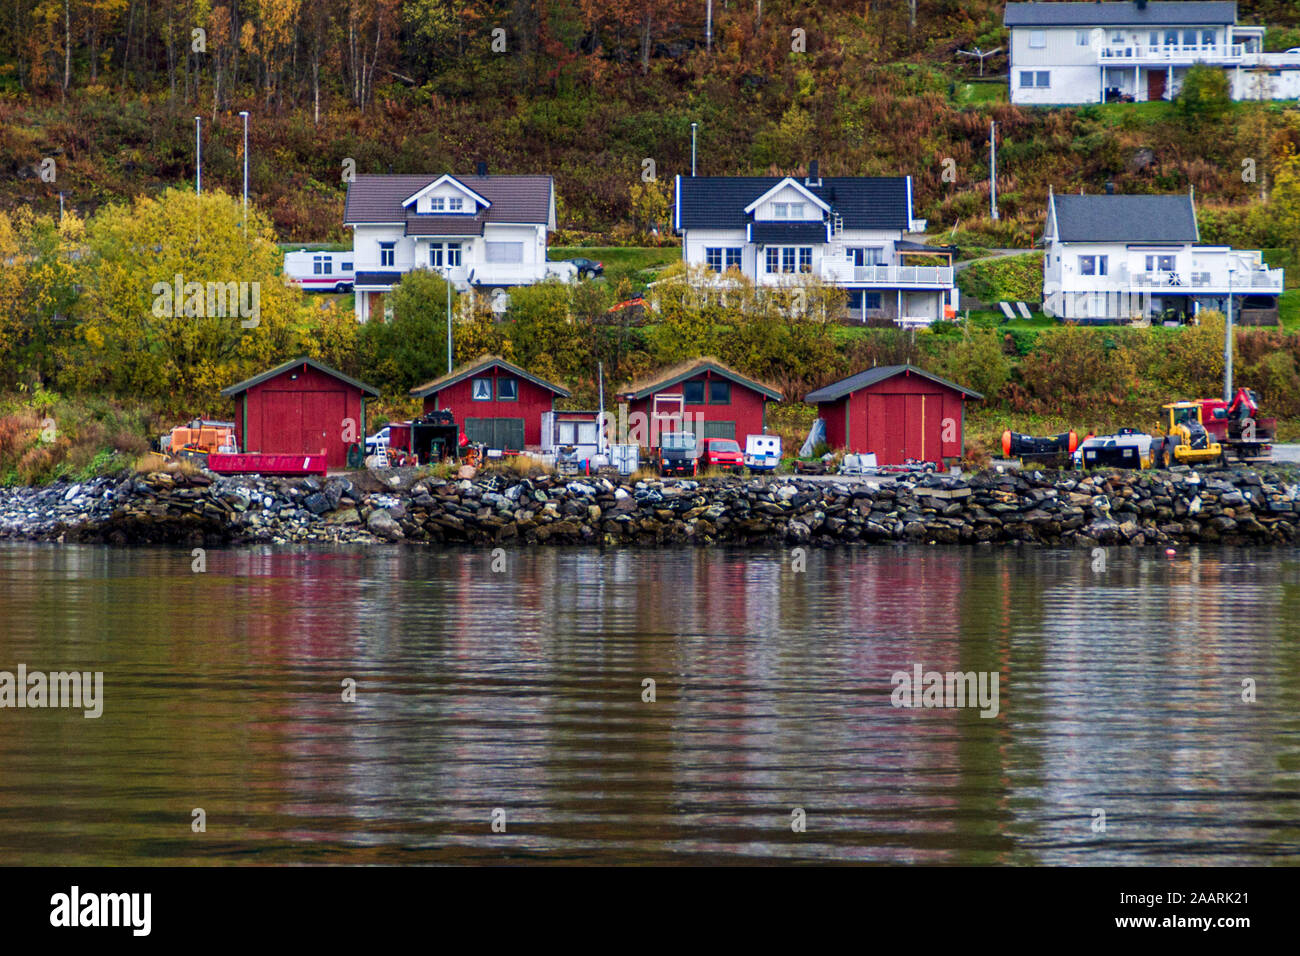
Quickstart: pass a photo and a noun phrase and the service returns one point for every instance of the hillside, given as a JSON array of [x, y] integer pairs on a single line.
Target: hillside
[[589, 92]]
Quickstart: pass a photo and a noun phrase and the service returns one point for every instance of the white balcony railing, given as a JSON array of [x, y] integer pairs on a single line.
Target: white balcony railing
[[1263, 280], [1234, 54], [1140, 53], [936, 277]]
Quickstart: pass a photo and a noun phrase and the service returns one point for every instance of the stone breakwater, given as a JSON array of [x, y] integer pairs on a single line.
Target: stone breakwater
[[1054, 508]]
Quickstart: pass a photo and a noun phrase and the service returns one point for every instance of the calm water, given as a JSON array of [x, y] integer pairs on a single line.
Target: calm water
[[522, 690]]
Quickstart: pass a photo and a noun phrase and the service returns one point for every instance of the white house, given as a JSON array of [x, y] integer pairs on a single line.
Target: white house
[[1113, 258], [480, 232], [1063, 53], [847, 231]]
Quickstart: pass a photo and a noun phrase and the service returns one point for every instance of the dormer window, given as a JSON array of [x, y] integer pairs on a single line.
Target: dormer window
[[436, 204], [455, 204], [787, 210]]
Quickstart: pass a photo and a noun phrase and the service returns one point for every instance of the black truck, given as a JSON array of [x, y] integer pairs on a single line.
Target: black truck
[[677, 454]]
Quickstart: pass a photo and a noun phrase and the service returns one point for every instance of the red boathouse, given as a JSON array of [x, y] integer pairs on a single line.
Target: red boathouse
[[895, 412], [725, 403], [494, 402], [301, 408]]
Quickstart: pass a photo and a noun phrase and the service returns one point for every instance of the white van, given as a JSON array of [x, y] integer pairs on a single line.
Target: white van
[[762, 452], [318, 271]]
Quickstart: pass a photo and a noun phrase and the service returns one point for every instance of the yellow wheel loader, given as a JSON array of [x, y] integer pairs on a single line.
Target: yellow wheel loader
[[1183, 439]]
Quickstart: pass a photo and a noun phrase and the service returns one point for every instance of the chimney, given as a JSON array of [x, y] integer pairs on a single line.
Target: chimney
[[481, 168], [814, 174], [1141, 4], [1110, 189]]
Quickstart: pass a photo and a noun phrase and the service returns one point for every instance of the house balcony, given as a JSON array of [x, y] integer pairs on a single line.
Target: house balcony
[[843, 272], [1220, 54], [1259, 281]]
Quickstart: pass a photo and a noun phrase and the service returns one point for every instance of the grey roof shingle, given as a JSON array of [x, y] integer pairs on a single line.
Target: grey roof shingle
[[788, 231], [378, 198], [837, 390], [417, 225], [718, 202], [1104, 218], [1188, 13]]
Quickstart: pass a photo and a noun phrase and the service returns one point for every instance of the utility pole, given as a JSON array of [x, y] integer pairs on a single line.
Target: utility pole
[[198, 155], [693, 125], [447, 278], [244, 114], [1227, 345], [993, 169]]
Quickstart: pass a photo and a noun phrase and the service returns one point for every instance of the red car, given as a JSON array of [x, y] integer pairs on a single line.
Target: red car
[[723, 454]]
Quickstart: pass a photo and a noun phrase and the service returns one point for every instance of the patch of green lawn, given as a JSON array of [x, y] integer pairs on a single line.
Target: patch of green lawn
[[1288, 310], [638, 264]]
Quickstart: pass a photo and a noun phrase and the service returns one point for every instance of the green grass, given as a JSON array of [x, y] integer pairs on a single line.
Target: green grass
[[1288, 310], [315, 246], [979, 92], [636, 263]]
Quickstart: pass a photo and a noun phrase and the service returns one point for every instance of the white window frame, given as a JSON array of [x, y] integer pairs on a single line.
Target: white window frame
[[453, 257], [436, 204], [455, 204], [387, 255], [1037, 39]]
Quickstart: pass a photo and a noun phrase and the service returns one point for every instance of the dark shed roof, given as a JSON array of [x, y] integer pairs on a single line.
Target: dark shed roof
[[1104, 218], [266, 376], [838, 390], [482, 364], [1118, 14], [684, 370], [375, 198], [718, 202]]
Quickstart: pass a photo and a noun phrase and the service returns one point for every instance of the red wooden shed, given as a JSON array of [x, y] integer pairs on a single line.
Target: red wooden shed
[[726, 403], [301, 408], [895, 412], [494, 402]]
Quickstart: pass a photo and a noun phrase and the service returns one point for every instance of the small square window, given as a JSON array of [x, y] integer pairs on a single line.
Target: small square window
[[482, 389], [1044, 79], [1037, 40], [719, 392], [693, 393], [455, 204], [507, 390], [436, 204]]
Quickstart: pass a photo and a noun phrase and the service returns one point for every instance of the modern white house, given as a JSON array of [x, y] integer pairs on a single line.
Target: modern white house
[[1068, 53], [849, 231], [1111, 258], [481, 232]]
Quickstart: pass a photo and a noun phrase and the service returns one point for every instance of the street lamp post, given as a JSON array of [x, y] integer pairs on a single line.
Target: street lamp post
[[693, 125], [198, 155], [244, 114], [446, 275], [1227, 344]]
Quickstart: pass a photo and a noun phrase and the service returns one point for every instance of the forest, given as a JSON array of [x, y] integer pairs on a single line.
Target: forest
[[98, 100]]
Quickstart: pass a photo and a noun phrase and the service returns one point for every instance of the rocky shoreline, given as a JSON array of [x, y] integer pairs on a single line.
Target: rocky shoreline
[[1180, 506]]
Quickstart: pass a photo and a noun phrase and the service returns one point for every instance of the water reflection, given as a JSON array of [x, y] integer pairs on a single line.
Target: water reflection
[[1121, 690]]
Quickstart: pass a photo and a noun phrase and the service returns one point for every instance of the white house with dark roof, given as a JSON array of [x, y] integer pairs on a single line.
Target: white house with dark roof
[[1112, 258], [481, 232], [848, 231], [1065, 53]]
